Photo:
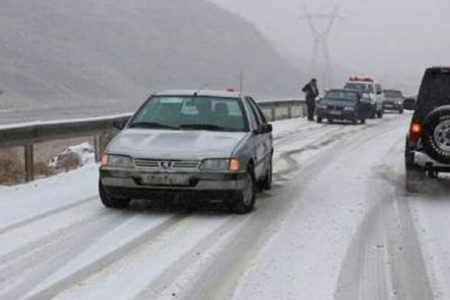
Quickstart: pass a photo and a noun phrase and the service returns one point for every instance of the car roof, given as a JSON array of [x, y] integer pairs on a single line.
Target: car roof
[[201, 93], [344, 90], [444, 69]]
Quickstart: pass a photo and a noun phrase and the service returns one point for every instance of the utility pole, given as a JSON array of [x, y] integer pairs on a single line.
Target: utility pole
[[320, 41], [241, 81]]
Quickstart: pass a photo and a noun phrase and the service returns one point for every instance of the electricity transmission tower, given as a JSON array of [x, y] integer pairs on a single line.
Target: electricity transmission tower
[[320, 39]]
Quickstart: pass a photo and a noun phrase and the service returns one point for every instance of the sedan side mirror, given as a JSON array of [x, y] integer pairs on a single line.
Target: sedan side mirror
[[263, 129], [119, 124], [409, 104]]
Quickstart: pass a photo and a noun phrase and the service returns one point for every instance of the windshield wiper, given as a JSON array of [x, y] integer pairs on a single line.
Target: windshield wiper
[[205, 127], [152, 125]]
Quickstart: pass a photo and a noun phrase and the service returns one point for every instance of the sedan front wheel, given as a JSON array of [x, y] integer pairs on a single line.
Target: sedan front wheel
[[246, 200], [110, 201]]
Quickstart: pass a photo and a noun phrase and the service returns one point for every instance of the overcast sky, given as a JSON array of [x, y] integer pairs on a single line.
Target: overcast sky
[[391, 39]]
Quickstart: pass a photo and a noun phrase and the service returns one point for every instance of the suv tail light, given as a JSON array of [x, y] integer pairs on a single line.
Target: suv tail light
[[415, 131]]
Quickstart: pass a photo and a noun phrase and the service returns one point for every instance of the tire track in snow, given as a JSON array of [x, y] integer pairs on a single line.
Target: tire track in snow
[[105, 260], [45, 215], [36, 266], [316, 144], [61, 234], [222, 275], [176, 269], [384, 260]]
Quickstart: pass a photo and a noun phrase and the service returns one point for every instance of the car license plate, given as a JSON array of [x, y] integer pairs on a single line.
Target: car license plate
[[335, 112], [165, 179]]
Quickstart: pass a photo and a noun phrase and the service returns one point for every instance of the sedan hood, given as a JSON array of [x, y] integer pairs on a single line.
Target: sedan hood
[[171, 144], [338, 103]]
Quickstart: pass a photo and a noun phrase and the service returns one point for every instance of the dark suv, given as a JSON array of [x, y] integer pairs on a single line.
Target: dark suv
[[427, 149], [343, 104]]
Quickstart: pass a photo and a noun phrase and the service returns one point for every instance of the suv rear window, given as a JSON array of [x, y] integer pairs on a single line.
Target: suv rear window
[[434, 91]]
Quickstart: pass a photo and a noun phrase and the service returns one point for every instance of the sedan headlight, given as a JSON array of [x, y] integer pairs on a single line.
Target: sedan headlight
[[349, 108], [321, 106], [120, 161], [229, 164]]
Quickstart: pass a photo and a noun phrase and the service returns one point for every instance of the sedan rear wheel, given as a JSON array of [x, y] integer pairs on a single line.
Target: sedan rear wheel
[[267, 182]]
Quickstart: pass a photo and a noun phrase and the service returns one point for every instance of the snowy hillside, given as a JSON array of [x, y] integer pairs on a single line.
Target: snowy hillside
[[61, 51]]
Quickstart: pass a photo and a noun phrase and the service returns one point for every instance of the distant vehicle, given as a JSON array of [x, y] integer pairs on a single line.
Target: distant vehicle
[[368, 85], [343, 104], [393, 100], [200, 146], [427, 149]]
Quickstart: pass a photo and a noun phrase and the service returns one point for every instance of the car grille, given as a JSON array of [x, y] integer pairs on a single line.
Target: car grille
[[331, 107], [186, 164], [175, 164]]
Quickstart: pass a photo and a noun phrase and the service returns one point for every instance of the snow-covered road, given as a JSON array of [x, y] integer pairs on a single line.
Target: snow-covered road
[[337, 224]]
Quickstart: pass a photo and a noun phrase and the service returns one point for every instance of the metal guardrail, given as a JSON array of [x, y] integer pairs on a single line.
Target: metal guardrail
[[272, 106], [26, 135]]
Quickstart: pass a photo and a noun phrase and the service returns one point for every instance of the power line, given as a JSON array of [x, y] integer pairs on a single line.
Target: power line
[[320, 40]]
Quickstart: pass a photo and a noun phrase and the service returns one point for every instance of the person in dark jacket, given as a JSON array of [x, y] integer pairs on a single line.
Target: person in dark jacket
[[312, 92]]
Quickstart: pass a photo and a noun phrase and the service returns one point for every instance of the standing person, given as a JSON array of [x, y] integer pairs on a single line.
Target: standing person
[[311, 92]]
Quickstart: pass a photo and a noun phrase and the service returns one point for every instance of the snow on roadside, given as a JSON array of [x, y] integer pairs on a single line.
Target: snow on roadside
[[31, 199], [84, 152]]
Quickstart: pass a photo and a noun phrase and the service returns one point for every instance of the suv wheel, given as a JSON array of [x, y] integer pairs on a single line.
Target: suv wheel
[[246, 200], [111, 202], [319, 119], [414, 176], [436, 135]]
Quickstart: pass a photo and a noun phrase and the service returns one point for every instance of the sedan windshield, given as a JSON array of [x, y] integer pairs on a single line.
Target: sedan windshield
[[191, 112]]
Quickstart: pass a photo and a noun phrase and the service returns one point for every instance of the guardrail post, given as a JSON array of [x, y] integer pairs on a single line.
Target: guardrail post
[[98, 147], [29, 162], [100, 143], [290, 111], [273, 113]]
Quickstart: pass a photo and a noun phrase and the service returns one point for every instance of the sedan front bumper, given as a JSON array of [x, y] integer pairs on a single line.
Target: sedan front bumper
[[338, 115], [124, 183]]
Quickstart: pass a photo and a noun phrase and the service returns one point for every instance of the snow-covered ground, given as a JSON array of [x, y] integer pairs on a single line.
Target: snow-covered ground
[[337, 224]]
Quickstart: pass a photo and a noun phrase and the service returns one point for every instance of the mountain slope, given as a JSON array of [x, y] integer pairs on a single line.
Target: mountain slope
[[65, 51]]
